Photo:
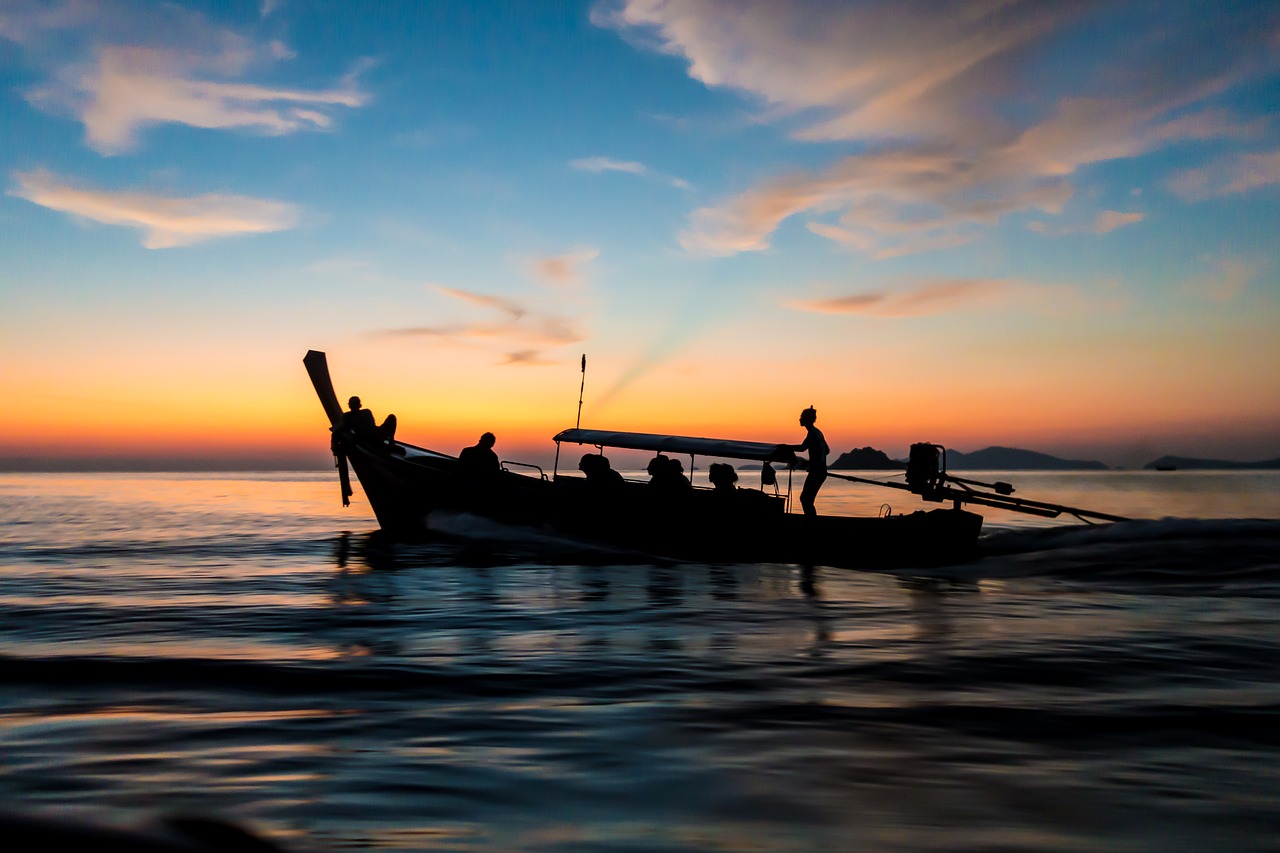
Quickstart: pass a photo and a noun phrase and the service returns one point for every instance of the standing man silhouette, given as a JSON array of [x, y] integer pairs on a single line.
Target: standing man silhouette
[[816, 444]]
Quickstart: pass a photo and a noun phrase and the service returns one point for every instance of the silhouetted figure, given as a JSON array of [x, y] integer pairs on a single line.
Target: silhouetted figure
[[479, 459], [667, 475], [816, 444], [722, 477], [676, 471], [656, 466], [360, 423], [598, 470]]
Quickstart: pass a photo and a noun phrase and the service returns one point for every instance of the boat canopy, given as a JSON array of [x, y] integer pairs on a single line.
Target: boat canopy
[[721, 447]]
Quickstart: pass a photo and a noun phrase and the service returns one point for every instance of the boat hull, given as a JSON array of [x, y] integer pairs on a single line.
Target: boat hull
[[405, 491]]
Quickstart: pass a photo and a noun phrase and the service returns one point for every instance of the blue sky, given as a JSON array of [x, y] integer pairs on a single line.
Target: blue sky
[[1038, 224]]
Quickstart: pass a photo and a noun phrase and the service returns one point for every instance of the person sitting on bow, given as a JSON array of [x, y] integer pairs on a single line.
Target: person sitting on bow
[[361, 423]]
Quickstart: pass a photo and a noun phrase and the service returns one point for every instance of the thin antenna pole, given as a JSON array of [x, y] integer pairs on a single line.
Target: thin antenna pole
[[580, 387]]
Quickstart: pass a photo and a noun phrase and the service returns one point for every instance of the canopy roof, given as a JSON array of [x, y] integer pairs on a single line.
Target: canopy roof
[[722, 447]]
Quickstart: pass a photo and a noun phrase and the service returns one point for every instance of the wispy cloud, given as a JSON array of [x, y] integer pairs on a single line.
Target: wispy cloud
[[23, 21], [852, 71], [1229, 175], [951, 122], [889, 203], [529, 357], [508, 306], [122, 68], [1223, 279], [609, 164], [565, 269], [1104, 222], [942, 296], [522, 336], [165, 221]]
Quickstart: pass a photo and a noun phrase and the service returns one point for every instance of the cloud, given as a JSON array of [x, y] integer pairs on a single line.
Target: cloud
[[941, 296], [953, 113], [855, 71], [1109, 220], [523, 335], [507, 306], [166, 221], [23, 21], [1105, 222], [119, 68], [565, 269], [608, 164], [886, 203], [1224, 280], [528, 357], [1229, 175]]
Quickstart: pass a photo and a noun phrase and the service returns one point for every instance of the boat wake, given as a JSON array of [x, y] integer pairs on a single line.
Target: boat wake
[[1152, 554], [1170, 550]]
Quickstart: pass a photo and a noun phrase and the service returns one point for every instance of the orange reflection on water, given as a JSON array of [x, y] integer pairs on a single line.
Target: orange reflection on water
[[193, 649], [143, 713], [200, 599], [453, 837]]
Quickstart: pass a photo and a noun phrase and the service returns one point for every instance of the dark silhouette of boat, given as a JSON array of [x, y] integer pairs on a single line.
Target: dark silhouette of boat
[[405, 485]]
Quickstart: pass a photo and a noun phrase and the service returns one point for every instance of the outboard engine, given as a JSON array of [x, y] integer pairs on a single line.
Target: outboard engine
[[927, 469]]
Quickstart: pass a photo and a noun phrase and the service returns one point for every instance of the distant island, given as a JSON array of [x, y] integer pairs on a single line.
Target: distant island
[[867, 459], [1015, 459], [988, 459], [1175, 463]]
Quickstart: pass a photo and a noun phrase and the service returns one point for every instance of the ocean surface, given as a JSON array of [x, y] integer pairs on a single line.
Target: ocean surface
[[239, 646]]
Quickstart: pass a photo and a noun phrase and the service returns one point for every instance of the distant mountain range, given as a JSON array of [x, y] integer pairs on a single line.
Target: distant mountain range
[[1014, 459], [990, 459], [1181, 462]]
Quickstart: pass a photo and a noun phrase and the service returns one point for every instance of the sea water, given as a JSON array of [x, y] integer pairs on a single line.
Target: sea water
[[240, 646]]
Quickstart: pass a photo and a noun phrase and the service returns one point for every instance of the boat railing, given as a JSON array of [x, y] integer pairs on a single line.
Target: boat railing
[[505, 462]]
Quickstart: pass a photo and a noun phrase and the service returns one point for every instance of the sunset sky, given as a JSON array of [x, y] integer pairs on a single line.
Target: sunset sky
[[1041, 224]]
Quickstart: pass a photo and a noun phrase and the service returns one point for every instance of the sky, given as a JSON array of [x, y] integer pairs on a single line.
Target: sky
[[1025, 223]]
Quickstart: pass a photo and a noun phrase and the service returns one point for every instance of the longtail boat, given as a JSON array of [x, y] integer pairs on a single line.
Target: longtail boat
[[405, 485]]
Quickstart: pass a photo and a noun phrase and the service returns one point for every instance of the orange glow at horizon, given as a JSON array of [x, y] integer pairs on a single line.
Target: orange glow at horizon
[[526, 407]]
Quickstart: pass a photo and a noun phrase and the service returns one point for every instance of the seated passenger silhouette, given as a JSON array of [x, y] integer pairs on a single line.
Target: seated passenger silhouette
[[656, 466], [598, 470], [722, 477], [667, 474], [360, 423], [678, 479], [479, 459]]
